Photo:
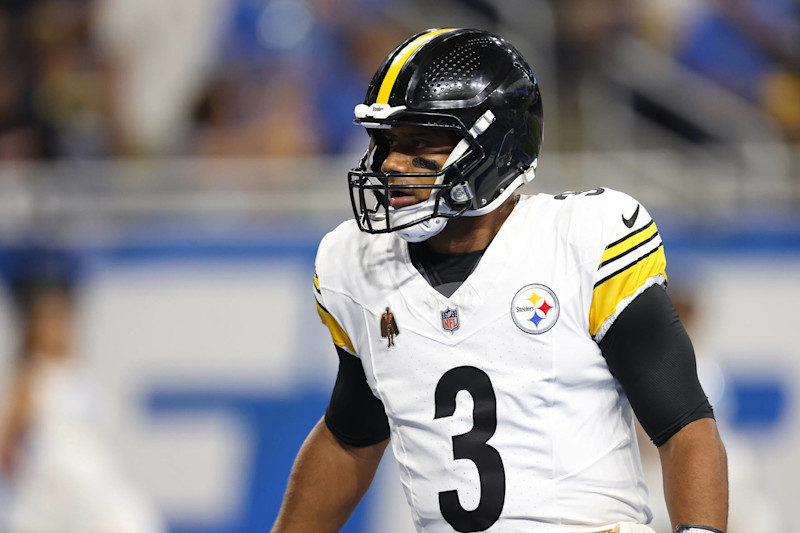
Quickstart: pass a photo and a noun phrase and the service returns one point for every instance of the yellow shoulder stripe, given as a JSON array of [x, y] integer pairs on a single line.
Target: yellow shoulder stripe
[[631, 241], [316, 281], [338, 334], [608, 294], [400, 60]]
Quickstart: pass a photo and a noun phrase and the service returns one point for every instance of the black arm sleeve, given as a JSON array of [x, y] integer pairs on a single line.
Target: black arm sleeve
[[650, 354], [355, 416]]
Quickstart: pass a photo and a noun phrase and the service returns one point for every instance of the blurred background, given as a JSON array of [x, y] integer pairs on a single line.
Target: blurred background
[[167, 168]]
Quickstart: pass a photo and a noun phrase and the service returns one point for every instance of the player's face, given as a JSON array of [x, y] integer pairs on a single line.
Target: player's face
[[415, 149]]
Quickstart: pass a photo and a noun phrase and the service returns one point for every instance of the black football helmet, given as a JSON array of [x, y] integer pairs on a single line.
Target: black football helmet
[[467, 81]]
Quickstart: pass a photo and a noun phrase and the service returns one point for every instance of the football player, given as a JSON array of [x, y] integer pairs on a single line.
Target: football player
[[534, 327]]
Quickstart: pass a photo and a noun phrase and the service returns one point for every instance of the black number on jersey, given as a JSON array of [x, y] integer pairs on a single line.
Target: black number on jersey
[[473, 446], [593, 192]]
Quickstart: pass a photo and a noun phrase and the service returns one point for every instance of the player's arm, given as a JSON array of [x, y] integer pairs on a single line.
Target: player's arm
[[650, 354], [337, 462], [327, 482], [695, 471], [17, 419]]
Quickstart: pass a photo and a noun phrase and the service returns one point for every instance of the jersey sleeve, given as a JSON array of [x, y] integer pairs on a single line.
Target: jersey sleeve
[[651, 355], [355, 415], [338, 334], [629, 259]]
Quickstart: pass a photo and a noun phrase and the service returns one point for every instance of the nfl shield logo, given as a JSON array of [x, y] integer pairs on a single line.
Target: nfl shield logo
[[450, 320]]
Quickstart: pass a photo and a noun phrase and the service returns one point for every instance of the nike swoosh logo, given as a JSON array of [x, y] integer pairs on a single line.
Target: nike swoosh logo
[[630, 221]]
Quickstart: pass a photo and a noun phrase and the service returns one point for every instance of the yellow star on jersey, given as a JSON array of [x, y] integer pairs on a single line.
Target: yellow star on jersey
[[534, 298]]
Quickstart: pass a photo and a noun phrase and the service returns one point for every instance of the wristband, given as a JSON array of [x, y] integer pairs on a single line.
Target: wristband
[[696, 528]]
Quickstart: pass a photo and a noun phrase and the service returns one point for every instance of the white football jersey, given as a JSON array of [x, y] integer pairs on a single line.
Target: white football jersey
[[504, 415]]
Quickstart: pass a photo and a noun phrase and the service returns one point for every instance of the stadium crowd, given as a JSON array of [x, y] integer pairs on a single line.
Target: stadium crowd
[[105, 78]]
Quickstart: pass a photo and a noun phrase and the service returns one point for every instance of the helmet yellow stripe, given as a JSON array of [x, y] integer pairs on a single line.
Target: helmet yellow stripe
[[400, 60]]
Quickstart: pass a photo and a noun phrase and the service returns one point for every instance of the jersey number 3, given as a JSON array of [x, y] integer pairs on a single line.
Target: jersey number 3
[[473, 446]]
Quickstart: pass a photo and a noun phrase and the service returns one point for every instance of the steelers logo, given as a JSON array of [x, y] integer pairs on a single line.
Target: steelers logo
[[535, 308]]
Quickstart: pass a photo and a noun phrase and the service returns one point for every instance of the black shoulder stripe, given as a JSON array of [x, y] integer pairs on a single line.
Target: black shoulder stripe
[[651, 252], [629, 235], [629, 250]]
